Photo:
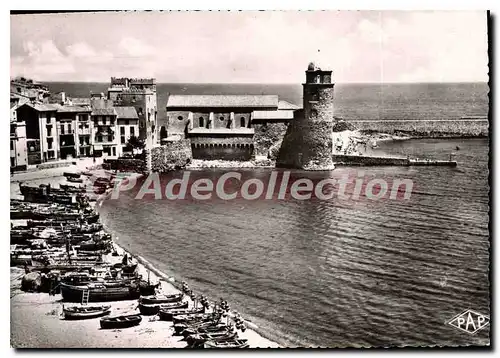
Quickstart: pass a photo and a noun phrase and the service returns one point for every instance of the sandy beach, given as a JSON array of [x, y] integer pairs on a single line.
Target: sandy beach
[[36, 318]]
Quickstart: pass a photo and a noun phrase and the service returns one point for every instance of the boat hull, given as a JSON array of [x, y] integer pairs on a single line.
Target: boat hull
[[120, 322], [72, 293]]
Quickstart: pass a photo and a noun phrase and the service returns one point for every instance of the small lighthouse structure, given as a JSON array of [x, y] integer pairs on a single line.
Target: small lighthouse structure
[[308, 142]]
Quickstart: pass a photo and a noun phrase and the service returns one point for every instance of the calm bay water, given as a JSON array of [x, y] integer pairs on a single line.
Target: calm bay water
[[335, 273]]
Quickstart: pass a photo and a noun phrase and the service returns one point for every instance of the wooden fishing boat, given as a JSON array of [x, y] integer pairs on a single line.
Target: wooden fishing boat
[[85, 312], [168, 315], [74, 180], [231, 344], [98, 292], [72, 175], [20, 260], [71, 188], [214, 328], [201, 317], [147, 289], [223, 336], [120, 321], [181, 327], [155, 299], [151, 309]]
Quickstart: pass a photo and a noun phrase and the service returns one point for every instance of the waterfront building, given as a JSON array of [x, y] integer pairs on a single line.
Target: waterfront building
[[139, 93], [128, 126], [73, 126], [222, 126], [104, 127], [18, 147], [41, 131]]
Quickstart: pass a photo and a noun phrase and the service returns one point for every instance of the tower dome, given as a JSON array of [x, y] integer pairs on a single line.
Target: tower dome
[[313, 66]]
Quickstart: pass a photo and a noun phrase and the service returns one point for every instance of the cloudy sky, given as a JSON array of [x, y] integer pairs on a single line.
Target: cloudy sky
[[269, 47]]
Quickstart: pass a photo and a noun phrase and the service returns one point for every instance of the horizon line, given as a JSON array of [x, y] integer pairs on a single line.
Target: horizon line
[[276, 83]]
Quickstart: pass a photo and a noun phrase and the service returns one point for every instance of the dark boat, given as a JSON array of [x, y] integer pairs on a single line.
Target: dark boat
[[72, 189], [155, 299], [74, 180], [214, 328], [147, 289], [120, 321], [99, 292], [168, 315], [231, 344], [223, 336], [148, 310], [181, 327], [85, 312], [71, 175], [193, 318]]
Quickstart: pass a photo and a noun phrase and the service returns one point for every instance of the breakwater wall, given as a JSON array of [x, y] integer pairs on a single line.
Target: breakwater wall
[[355, 160], [476, 127]]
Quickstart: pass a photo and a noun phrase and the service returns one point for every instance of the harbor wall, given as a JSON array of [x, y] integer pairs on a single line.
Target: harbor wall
[[369, 160], [427, 128], [354, 160], [125, 165]]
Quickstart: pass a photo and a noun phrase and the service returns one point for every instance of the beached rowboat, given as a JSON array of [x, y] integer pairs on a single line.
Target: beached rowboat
[[168, 315], [148, 310], [156, 299], [85, 312], [120, 321]]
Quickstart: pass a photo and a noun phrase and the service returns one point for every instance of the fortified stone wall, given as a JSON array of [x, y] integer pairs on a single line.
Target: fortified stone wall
[[223, 148], [125, 165], [171, 156], [436, 128]]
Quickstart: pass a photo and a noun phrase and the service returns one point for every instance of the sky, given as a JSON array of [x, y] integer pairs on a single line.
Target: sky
[[252, 46]]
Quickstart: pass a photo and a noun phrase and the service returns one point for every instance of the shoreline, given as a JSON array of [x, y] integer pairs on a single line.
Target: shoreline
[[170, 283], [45, 331]]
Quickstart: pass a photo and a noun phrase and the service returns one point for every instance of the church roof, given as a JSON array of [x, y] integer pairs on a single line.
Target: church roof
[[247, 101]]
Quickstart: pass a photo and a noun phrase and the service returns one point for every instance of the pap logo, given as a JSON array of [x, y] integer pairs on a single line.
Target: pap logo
[[469, 321]]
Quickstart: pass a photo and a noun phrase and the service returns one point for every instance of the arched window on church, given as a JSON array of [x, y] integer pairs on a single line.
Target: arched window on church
[[201, 122], [242, 122]]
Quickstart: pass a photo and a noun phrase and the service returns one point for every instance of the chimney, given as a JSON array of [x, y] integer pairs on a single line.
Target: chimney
[[63, 97]]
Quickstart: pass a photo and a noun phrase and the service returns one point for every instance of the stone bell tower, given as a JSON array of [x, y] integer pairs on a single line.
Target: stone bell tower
[[308, 142]]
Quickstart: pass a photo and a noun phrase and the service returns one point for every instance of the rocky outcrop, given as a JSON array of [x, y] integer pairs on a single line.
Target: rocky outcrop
[[267, 136], [173, 155]]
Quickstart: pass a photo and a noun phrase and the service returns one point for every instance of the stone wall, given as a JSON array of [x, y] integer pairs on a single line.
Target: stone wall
[[171, 156], [222, 147], [125, 165], [233, 152], [431, 128], [369, 160]]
